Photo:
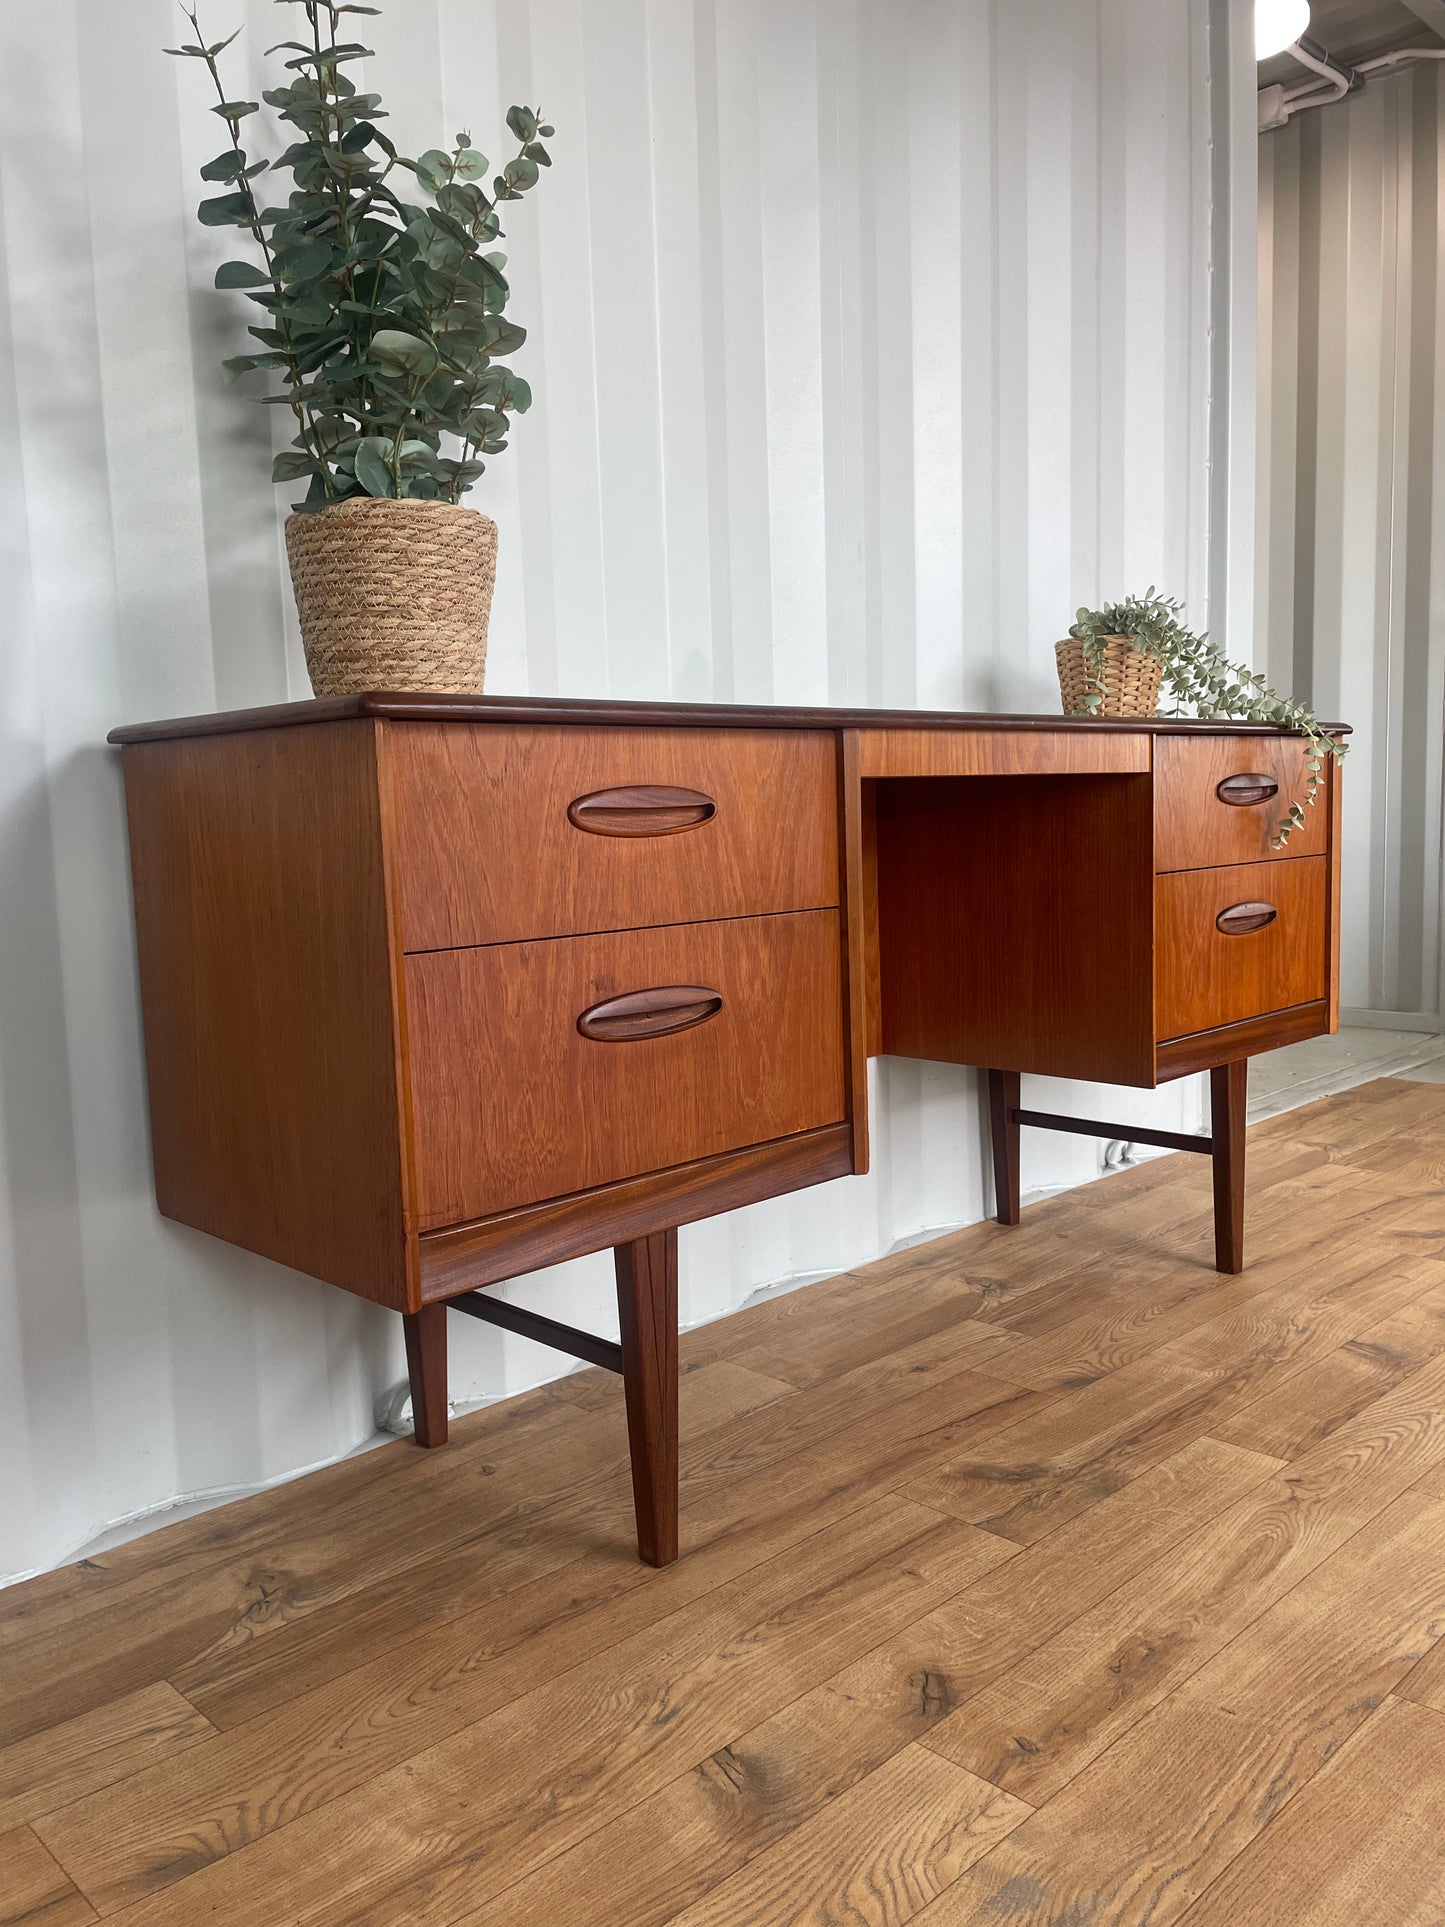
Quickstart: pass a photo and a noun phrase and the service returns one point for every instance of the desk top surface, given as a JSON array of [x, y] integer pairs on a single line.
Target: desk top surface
[[598, 713]]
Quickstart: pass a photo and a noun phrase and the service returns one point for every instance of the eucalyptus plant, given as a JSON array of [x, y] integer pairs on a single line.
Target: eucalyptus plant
[[1202, 681], [384, 300]]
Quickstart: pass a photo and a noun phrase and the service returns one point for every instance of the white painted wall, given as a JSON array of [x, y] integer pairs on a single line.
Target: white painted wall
[[870, 337], [1351, 587]]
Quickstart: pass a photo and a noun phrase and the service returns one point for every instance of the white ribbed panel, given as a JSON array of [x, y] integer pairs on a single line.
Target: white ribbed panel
[[869, 338], [1352, 495]]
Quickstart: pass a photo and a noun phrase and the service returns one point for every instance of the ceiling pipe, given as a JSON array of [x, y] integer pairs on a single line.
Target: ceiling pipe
[[1278, 104]]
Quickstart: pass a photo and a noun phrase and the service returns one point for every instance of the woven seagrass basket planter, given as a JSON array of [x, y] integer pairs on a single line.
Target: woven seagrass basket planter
[[393, 595], [1130, 678]]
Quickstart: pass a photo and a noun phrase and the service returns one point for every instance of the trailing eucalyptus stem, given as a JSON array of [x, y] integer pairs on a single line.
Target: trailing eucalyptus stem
[[1203, 682], [386, 315]]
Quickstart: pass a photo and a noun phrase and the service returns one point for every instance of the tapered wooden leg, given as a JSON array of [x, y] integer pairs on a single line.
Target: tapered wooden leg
[[1228, 1088], [426, 1365], [1003, 1101], [647, 1313]]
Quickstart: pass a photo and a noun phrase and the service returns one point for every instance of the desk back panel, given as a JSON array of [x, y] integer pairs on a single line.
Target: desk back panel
[[1015, 923]]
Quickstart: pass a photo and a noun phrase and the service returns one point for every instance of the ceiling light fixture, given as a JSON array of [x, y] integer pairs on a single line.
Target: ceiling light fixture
[[1278, 24]]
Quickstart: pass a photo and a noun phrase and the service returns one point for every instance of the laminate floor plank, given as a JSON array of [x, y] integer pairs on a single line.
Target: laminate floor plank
[[875, 1856], [750, 1795], [582, 1556], [222, 1588], [1359, 1847], [34, 1891], [1032, 1575], [1140, 1835], [81, 1756], [1035, 1727], [481, 1808]]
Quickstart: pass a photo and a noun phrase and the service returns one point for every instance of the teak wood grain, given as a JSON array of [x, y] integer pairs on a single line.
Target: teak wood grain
[[486, 851], [1001, 752], [272, 1048], [451, 988], [1007, 937], [506, 1243], [1195, 828], [512, 1105], [606, 713], [1205, 977]]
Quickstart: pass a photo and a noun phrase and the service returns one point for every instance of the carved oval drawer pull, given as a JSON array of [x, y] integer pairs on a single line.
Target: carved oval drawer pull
[[649, 1013], [1240, 918], [641, 809], [1243, 790]]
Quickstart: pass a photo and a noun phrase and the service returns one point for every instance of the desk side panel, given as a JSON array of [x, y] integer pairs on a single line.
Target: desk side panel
[[1015, 923], [265, 985]]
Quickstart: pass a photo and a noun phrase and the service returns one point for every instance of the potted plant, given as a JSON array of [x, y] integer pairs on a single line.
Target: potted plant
[[1117, 657], [383, 314]]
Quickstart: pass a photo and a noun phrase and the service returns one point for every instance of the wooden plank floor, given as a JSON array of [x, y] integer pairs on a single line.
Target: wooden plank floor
[[1029, 1576]]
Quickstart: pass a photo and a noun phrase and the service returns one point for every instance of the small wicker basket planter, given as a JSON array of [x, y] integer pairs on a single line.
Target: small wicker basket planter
[[1130, 677], [393, 594]]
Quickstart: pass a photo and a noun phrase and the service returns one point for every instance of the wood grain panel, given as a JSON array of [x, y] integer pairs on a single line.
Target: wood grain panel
[[466, 1256], [512, 1105], [486, 851], [1145, 1829], [265, 976], [1001, 752], [1014, 924], [609, 713], [1205, 978], [1195, 828], [1181, 1056], [35, 1891], [874, 1856], [1355, 1848], [78, 1756], [860, 924]]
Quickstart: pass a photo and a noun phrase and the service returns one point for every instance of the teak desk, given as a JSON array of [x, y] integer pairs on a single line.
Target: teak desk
[[438, 990]]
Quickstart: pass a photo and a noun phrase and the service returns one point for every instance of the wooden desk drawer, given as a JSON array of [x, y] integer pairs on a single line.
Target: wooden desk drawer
[[1212, 967], [513, 1104], [1195, 824], [504, 832]]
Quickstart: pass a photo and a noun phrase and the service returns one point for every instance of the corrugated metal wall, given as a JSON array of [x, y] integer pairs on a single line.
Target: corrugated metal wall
[[1351, 502], [869, 339]]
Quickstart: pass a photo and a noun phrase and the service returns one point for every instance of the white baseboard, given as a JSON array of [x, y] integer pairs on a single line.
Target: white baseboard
[[1423, 1020]]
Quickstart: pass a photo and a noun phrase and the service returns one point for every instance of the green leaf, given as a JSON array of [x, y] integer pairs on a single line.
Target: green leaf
[[520, 174], [236, 109], [523, 123], [434, 169], [403, 354], [226, 210], [193, 53], [241, 274], [371, 468], [291, 464], [239, 365], [535, 151], [229, 166], [470, 165], [545, 131]]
